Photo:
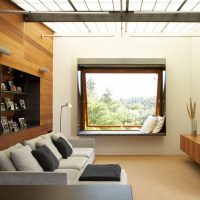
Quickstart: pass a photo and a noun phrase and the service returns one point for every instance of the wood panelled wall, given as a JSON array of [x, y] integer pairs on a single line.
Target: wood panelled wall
[[29, 53]]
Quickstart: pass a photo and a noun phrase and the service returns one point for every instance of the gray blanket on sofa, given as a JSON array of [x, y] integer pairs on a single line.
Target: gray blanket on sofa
[[111, 172]]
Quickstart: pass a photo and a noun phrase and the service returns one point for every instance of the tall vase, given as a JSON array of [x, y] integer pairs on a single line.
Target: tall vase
[[193, 127]]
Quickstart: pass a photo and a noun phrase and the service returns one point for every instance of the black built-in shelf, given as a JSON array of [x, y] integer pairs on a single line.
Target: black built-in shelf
[[30, 86]]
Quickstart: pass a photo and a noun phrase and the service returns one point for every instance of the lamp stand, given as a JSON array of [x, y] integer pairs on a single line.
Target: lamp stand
[[67, 105]]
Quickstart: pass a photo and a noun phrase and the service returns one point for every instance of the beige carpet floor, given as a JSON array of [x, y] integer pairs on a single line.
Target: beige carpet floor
[[159, 177]]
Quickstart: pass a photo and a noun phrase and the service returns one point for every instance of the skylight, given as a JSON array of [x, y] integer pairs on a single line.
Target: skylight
[[115, 5]]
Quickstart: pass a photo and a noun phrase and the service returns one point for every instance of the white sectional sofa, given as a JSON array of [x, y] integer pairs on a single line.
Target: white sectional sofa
[[68, 171]]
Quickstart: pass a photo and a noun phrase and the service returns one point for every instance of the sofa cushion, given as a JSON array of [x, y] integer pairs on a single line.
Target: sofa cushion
[[50, 145], [46, 158], [63, 147], [23, 160], [32, 142], [5, 163], [47, 136], [73, 163], [7, 151], [55, 136], [71, 174], [84, 152]]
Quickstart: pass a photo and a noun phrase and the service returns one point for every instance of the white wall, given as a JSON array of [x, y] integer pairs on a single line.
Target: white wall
[[177, 52], [196, 75]]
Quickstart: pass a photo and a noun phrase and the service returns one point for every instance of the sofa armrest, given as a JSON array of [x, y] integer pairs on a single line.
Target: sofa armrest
[[32, 178], [84, 143]]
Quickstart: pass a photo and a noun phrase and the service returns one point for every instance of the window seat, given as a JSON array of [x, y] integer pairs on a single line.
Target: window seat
[[118, 133]]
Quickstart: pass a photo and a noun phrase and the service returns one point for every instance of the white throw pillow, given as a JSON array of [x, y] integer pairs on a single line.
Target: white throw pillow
[[32, 142], [7, 151], [55, 136], [159, 124], [51, 146], [5, 163], [23, 160], [149, 124]]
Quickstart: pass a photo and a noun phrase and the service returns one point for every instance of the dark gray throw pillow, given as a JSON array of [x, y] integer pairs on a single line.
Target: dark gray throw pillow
[[46, 158], [63, 147]]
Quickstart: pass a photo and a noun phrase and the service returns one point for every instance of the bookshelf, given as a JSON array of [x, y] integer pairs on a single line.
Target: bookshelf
[[20, 100]]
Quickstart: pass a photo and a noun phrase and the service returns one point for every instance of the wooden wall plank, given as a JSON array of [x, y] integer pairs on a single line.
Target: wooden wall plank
[[29, 52]]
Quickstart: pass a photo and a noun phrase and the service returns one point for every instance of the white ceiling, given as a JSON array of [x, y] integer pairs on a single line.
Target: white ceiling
[[114, 5]]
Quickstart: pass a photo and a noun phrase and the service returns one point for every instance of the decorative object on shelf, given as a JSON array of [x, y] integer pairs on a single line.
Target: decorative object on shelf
[[12, 86], [4, 124], [9, 104], [11, 125], [19, 89], [67, 105], [191, 112], [4, 87], [22, 123], [22, 104], [16, 106], [16, 127], [3, 107]]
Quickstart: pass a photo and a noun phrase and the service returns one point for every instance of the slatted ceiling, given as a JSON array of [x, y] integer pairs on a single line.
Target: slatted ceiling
[[169, 27], [148, 5], [116, 5], [92, 26], [71, 27], [141, 27], [150, 27], [110, 5], [102, 27], [63, 5], [26, 6], [80, 6], [174, 5], [179, 27], [134, 6], [188, 6], [190, 28], [51, 26], [61, 27], [160, 6], [196, 29], [107, 6], [81, 27], [37, 5], [196, 8], [159, 27], [94, 6]]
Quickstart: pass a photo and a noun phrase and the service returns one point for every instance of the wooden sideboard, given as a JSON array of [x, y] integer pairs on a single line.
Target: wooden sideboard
[[191, 146]]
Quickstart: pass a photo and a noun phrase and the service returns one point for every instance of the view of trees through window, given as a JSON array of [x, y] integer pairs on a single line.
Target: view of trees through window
[[120, 101]]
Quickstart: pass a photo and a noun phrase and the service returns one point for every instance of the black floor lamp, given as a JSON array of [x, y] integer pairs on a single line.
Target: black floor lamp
[[67, 105]]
